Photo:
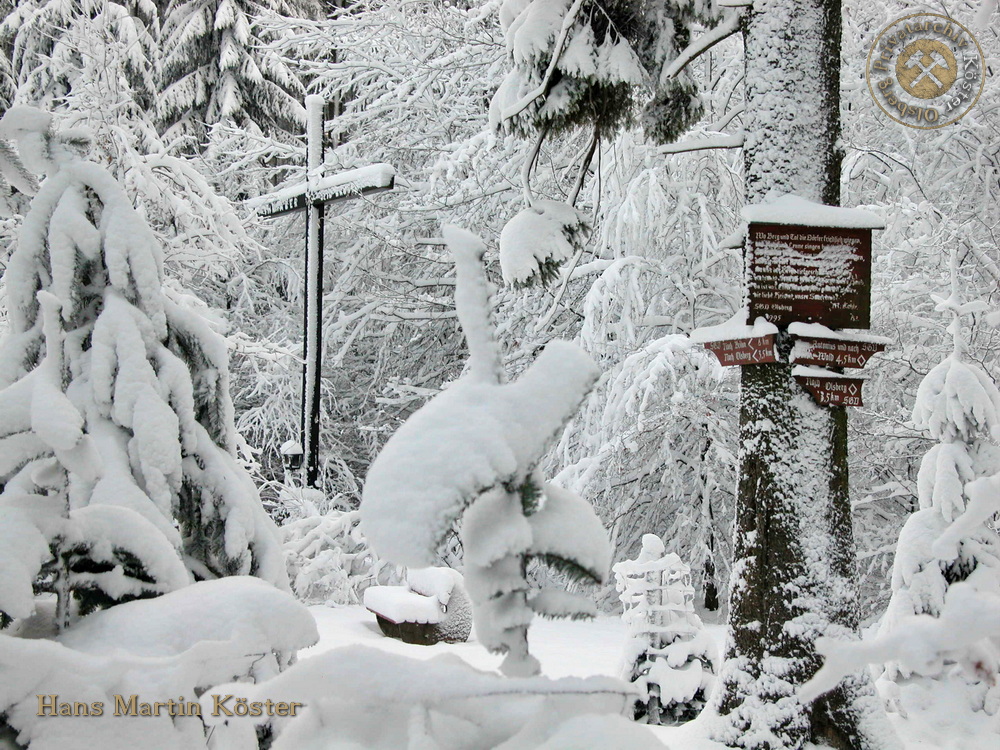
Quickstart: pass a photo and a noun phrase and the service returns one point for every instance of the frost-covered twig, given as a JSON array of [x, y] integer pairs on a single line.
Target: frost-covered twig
[[722, 141], [729, 26]]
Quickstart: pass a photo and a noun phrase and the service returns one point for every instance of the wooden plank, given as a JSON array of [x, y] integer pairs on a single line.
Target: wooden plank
[[736, 352], [299, 201], [833, 352], [832, 390], [810, 275]]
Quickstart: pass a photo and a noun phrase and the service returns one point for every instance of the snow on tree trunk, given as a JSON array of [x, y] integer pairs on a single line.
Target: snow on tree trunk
[[793, 577], [670, 656], [116, 426]]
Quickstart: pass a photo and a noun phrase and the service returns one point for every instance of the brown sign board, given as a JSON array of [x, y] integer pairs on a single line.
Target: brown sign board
[[753, 351], [832, 391], [810, 274], [833, 352]]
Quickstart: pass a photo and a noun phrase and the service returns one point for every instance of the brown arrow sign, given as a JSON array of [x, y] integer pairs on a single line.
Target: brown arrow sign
[[833, 391], [834, 353], [753, 351]]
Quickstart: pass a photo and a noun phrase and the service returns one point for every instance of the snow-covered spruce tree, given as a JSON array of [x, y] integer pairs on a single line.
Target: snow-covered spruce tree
[[117, 426], [794, 573], [586, 63], [958, 404], [471, 453], [51, 42], [669, 655], [219, 68], [583, 63]]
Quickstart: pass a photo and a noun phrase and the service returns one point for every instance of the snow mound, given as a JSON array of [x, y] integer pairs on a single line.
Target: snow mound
[[540, 238], [364, 698], [238, 607]]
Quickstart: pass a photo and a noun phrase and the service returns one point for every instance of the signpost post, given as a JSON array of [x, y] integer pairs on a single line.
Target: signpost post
[[312, 196], [808, 277]]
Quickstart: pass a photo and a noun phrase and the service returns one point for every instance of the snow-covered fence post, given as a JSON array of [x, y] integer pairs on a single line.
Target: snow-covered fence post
[[472, 453], [670, 656]]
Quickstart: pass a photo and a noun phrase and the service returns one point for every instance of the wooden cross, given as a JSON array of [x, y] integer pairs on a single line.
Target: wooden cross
[[312, 196]]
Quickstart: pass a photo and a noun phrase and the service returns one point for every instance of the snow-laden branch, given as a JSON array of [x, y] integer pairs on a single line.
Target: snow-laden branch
[[722, 141], [519, 106], [920, 641], [729, 26]]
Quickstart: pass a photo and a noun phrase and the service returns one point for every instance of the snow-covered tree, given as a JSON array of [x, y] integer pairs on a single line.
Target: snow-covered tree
[[472, 453], [219, 68], [53, 41], [328, 560], [654, 444], [958, 404], [118, 437], [585, 63], [669, 655]]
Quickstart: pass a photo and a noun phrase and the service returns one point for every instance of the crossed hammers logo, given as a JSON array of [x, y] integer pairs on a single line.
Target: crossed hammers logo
[[926, 71]]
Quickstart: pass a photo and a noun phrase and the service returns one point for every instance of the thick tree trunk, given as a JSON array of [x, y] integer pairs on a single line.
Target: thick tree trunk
[[794, 576]]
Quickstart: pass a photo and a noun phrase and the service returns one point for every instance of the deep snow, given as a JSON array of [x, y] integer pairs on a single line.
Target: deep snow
[[937, 716]]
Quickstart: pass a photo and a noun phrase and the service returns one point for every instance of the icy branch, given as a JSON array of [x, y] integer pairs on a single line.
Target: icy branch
[[729, 26], [723, 141]]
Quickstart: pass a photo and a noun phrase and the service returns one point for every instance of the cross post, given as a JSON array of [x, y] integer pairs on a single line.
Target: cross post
[[312, 196]]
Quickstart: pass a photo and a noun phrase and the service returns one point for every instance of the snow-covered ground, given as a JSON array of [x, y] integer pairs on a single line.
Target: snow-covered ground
[[938, 715]]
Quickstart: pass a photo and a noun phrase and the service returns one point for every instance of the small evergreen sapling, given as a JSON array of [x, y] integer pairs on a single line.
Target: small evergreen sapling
[[116, 427], [670, 657], [958, 404], [471, 453]]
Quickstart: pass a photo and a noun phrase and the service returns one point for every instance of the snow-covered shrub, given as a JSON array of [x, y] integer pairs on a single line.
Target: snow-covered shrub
[[472, 453], [670, 656], [966, 633], [173, 648], [364, 698], [958, 404], [329, 561], [538, 240], [117, 444]]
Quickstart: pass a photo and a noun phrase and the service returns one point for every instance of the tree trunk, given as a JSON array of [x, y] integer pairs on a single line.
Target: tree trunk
[[794, 574]]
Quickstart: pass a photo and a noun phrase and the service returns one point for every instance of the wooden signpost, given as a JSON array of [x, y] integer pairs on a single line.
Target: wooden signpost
[[312, 196], [804, 280], [751, 351], [810, 274]]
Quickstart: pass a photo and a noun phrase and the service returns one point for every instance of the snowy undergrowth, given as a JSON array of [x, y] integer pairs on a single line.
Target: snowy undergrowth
[[172, 648], [937, 717]]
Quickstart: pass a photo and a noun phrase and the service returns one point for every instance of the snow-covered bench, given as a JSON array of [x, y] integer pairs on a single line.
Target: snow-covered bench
[[431, 608]]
